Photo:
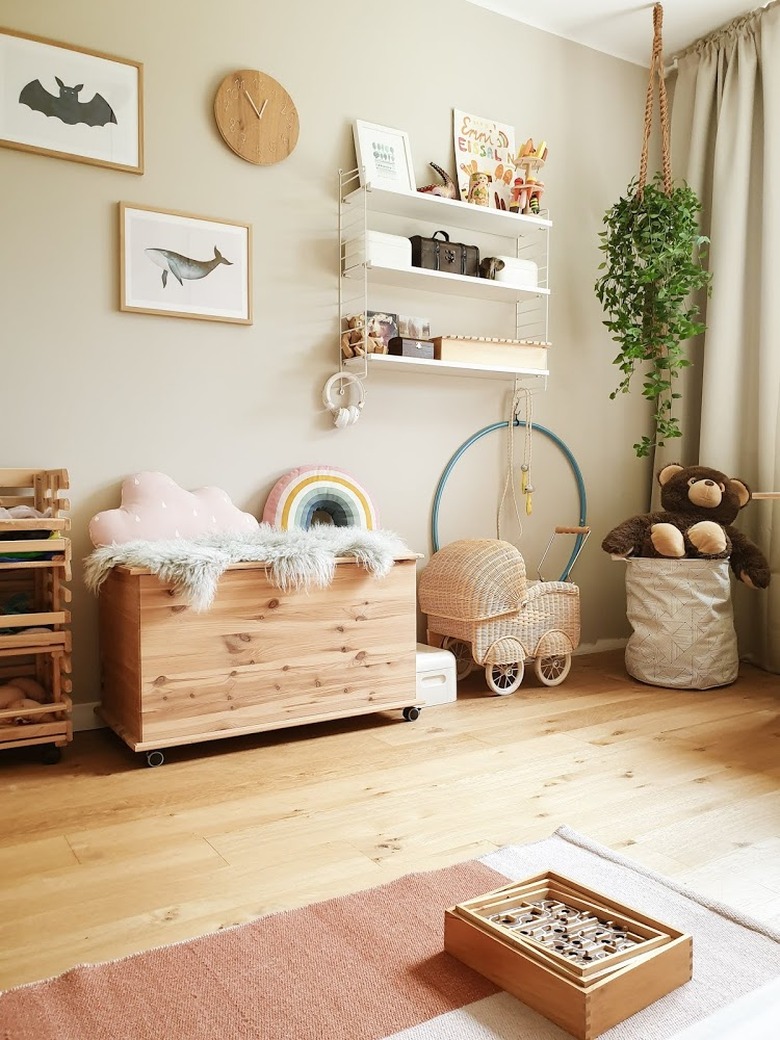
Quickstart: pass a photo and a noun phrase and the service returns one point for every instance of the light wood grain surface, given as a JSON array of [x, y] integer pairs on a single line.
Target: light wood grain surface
[[101, 856]]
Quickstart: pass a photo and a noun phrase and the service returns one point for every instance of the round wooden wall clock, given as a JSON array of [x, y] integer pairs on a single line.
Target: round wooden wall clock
[[256, 117]]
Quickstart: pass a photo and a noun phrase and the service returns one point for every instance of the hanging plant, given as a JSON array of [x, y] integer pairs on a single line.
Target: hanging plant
[[653, 268]]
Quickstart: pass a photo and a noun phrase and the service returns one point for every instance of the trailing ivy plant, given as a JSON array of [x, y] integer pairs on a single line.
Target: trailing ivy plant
[[653, 267]]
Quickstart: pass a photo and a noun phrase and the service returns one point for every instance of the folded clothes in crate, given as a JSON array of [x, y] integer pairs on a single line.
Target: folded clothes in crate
[[18, 514]]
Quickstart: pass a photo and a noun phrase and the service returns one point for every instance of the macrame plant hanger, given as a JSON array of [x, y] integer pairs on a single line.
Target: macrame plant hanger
[[656, 70]]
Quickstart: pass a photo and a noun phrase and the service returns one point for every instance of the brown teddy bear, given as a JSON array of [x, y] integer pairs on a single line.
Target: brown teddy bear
[[699, 507], [352, 339]]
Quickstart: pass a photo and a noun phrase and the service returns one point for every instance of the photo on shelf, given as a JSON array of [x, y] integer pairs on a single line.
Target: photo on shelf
[[382, 325], [413, 328]]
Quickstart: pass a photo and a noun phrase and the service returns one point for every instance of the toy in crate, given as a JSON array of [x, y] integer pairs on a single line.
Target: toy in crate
[[477, 597]]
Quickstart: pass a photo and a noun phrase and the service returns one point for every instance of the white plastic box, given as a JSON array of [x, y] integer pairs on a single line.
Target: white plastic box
[[436, 678], [378, 248], [522, 274]]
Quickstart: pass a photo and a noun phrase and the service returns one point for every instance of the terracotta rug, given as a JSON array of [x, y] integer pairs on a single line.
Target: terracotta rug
[[371, 966]]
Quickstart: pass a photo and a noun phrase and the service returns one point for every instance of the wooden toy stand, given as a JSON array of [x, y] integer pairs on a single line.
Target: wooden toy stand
[[577, 957], [35, 640]]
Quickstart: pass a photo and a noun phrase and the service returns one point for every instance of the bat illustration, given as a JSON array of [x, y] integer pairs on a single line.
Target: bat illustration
[[67, 106], [182, 266]]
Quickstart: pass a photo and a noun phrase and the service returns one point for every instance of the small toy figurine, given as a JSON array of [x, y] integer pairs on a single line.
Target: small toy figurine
[[518, 196], [447, 190], [479, 190], [535, 189], [526, 193], [489, 265]]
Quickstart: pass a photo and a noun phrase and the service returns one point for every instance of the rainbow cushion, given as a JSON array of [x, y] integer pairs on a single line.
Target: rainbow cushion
[[312, 494]]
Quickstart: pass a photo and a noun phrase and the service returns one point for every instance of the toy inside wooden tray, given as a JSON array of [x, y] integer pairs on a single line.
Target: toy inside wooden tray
[[580, 934]]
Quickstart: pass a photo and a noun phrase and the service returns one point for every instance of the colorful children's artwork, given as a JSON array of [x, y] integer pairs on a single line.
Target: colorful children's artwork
[[483, 146]]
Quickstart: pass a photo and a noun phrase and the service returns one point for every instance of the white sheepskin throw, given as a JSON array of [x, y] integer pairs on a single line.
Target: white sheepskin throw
[[296, 559]]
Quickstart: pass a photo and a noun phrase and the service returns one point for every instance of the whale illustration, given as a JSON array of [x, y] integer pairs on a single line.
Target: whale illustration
[[183, 266]]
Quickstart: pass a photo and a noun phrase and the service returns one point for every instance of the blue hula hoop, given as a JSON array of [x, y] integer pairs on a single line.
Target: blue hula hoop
[[502, 426]]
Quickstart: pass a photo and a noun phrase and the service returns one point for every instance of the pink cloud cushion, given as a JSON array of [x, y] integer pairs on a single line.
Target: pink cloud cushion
[[154, 507]]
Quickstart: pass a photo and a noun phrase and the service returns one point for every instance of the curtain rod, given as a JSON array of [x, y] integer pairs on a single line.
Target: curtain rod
[[728, 28]]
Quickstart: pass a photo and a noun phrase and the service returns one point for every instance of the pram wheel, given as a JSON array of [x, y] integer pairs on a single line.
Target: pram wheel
[[464, 662], [504, 679], [551, 671]]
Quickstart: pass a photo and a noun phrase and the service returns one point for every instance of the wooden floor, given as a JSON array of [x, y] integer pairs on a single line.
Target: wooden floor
[[101, 856]]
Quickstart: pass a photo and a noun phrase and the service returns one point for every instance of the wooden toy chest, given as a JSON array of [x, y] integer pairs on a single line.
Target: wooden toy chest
[[259, 658], [577, 957]]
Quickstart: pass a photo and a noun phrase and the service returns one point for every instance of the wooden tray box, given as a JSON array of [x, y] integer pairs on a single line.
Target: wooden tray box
[[512, 353], [259, 658], [585, 1000]]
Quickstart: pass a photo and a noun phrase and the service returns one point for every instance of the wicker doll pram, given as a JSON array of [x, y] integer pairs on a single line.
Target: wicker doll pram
[[477, 597]]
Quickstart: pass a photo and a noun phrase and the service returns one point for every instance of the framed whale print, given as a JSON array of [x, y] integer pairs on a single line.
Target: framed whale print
[[62, 100], [184, 266]]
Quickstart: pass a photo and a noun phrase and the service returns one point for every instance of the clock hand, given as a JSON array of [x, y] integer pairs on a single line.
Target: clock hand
[[258, 113]]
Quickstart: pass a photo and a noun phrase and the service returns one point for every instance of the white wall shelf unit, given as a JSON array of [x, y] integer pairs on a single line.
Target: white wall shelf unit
[[434, 208], [362, 278], [442, 282], [429, 367]]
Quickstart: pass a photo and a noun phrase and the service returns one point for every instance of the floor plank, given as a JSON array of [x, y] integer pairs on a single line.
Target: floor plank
[[101, 856]]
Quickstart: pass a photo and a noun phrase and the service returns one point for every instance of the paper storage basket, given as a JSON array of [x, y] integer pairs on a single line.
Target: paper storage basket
[[683, 623]]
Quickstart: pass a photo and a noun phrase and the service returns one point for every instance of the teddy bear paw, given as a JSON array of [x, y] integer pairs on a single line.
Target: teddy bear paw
[[755, 578], [667, 540], [708, 537]]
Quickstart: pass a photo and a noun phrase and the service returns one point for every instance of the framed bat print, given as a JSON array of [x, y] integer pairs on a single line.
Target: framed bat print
[[62, 100]]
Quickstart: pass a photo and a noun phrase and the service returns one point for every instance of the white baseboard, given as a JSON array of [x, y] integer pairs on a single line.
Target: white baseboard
[[85, 717], [600, 646]]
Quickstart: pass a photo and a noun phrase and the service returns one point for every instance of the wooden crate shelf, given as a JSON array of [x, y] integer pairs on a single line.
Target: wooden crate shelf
[[35, 639]]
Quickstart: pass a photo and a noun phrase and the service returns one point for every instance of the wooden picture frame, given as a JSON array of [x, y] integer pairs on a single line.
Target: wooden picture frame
[[70, 102], [384, 157], [184, 266]]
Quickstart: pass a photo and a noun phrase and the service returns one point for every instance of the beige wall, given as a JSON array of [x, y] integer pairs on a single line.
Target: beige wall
[[105, 393]]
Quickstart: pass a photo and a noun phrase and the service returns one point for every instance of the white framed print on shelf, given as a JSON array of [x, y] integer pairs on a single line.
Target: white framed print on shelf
[[72, 103], [184, 266], [384, 157]]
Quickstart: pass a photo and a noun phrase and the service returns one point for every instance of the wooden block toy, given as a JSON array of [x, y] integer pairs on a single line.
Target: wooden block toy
[[581, 959]]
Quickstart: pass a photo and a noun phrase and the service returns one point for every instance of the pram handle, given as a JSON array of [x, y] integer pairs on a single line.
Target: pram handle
[[582, 533]]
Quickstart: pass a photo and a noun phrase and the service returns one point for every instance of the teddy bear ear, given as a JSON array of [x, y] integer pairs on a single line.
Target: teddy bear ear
[[666, 474], [742, 491]]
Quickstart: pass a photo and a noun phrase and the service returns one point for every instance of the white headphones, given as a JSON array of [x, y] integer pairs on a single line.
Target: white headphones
[[343, 415]]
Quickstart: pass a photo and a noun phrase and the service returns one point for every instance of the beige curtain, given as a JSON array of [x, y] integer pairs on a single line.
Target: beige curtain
[[726, 145]]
